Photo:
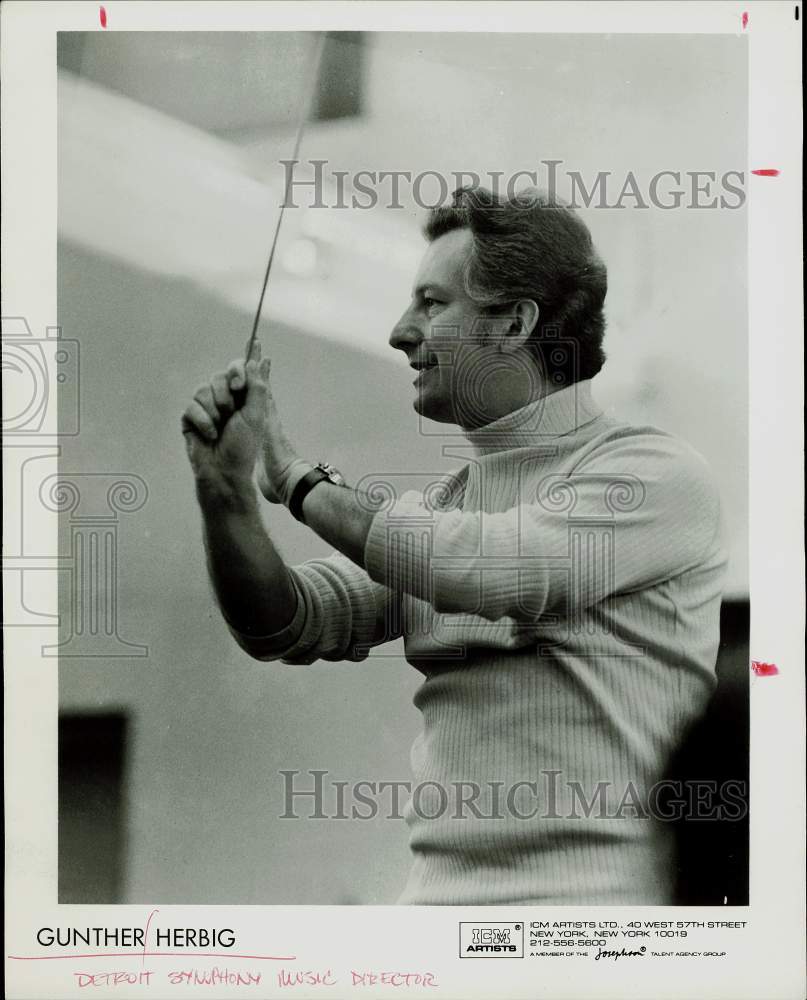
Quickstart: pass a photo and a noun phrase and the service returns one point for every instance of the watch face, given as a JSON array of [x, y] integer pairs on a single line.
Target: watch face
[[333, 474]]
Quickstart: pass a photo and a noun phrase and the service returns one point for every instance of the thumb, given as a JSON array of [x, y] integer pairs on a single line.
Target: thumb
[[255, 403], [255, 353]]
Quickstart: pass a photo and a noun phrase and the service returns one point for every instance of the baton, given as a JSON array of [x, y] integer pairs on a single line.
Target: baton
[[306, 110]]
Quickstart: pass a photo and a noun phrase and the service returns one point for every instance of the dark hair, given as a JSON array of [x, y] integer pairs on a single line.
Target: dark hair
[[529, 247]]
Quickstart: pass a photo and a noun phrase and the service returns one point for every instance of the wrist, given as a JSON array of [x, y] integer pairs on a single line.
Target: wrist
[[322, 472], [232, 490], [295, 472]]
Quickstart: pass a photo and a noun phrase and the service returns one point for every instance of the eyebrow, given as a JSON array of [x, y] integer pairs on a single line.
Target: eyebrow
[[431, 286]]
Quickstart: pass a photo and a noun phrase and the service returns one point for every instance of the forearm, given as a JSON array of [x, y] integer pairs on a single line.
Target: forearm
[[515, 562], [251, 582], [402, 558], [341, 516]]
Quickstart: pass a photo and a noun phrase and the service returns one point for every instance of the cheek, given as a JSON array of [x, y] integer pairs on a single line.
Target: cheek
[[462, 318], [445, 333], [457, 333], [473, 365]]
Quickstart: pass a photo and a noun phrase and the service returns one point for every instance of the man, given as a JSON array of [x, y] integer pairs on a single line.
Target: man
[[560, 594]]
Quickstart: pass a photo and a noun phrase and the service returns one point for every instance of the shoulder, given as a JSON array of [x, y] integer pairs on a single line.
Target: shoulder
[[671, 482], [643, 449]]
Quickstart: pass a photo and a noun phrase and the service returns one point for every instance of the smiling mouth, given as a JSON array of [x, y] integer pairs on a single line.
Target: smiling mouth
[[421, 376], [424, 364], [422, 369]]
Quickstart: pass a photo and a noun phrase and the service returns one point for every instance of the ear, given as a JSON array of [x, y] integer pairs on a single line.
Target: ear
[[523, 320]]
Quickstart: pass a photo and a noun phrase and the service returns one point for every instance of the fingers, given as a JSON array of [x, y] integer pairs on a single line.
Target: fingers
[[236, 375], [236, 371], [222, 397], [196, 420], [216, 401], [205, 398], [255, 374]]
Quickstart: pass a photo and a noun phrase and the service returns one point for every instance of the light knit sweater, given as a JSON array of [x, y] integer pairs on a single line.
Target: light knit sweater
[[561, 594]]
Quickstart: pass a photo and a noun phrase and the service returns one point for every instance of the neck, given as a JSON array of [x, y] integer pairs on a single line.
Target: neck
[[539, 421], [503, 396]]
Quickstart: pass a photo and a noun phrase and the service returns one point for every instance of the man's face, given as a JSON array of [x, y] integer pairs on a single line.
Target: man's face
[[449, 342]]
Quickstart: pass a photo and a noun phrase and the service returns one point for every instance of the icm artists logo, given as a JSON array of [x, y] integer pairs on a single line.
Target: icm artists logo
[[491, 940]]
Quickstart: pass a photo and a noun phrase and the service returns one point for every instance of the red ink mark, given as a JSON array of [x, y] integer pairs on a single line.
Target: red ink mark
[[745, 19], [148, 922], [764, 669], [766, 172], [102, 14]]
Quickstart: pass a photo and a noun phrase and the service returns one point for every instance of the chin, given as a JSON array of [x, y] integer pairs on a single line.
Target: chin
[[433, 409]]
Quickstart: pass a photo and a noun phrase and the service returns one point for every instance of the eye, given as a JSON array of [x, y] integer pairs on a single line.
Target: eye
[[430, 303]]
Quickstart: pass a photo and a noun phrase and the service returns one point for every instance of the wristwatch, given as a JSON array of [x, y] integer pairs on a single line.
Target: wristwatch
[[322, 470]]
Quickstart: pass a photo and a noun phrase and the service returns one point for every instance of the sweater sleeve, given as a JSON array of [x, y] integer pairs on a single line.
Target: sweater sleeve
[[637, 511], [341, 613]]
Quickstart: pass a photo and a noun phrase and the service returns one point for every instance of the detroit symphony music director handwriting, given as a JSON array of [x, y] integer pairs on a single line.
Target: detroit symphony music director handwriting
[[581, 652]]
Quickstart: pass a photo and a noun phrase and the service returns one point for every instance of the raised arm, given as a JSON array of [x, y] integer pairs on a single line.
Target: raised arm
[[652, 495], [322, 609], [222, 428]]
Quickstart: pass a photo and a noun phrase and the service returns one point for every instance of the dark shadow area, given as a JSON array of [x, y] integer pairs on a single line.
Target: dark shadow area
[[254, 81], [92, 831], [340, 88], [713, 853]]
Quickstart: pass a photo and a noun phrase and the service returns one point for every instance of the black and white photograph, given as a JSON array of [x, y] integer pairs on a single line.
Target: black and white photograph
[[390, 486]]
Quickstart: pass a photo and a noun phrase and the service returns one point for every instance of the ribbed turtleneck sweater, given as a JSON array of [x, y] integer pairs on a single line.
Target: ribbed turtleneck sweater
[[561, 595]]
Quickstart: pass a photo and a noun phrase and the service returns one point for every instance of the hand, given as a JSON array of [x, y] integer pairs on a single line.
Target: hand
[[223, 423], [279, 467]]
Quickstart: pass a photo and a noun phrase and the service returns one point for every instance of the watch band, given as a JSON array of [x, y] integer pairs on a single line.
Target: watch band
[[303, 488]]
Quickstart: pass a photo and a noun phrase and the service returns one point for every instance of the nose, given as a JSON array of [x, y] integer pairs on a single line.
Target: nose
[[406, 334]]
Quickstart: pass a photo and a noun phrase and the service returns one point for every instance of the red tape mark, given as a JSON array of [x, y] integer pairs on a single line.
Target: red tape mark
[[745, 19], [764, 669], [102, 15], [766, 172]]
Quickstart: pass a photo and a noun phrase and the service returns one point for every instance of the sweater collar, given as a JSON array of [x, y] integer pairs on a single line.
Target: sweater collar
[[559, 413]]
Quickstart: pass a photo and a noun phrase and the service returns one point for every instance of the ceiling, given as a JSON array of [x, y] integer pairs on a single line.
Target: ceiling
[[231, 83]]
